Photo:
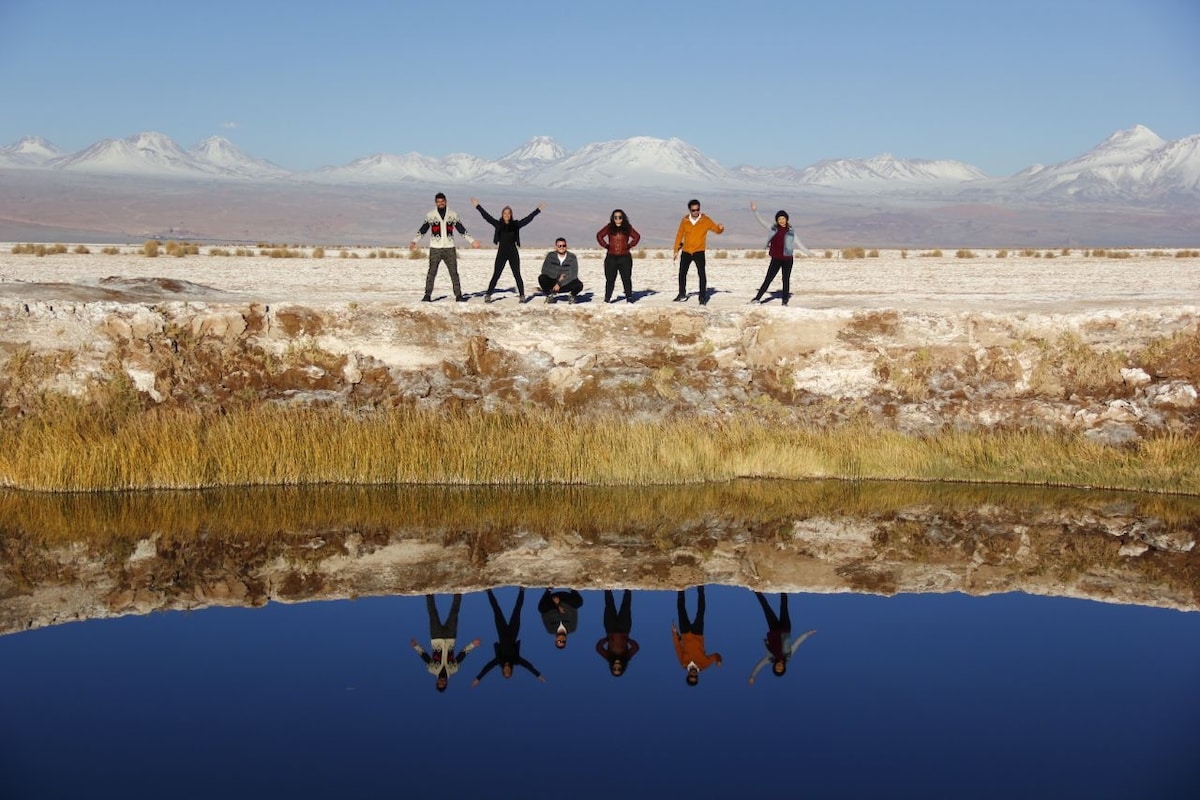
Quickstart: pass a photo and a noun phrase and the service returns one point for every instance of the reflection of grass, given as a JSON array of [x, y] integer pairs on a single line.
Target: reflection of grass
[[549, 511], [72, 446], [245, 546]]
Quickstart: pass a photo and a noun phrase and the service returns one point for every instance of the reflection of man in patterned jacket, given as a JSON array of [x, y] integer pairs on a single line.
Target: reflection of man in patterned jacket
[[441, 661], [440, 224]]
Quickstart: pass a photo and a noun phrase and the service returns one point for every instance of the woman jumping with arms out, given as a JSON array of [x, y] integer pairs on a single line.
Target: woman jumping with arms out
[[507, 239]]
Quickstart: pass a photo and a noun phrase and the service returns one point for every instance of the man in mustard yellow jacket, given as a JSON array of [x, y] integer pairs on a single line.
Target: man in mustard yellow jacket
[[691, 238], [688, 638]]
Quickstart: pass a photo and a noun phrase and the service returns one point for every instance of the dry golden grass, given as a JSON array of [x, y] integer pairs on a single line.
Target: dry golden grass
[[71, 445]]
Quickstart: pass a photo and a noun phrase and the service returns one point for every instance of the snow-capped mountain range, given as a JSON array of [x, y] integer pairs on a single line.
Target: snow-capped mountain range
[[1131, 165]]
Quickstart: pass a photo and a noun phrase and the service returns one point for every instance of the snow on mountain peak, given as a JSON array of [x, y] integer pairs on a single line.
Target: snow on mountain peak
[[1132, 164], [30, 151], [536, 150]]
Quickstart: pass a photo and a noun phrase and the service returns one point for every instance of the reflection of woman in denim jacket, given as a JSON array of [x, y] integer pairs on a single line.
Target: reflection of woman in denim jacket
[[779, 643], [781, 247]]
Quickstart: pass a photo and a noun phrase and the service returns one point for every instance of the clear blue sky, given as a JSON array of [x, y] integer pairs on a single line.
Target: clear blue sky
[[1000, 85]]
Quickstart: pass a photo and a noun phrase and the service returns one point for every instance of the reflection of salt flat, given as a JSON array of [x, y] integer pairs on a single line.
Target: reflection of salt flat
[[139, 552]]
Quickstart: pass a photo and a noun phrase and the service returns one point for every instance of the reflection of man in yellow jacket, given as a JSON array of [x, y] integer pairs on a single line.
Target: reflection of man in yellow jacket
[[691, 238], [688, 638]]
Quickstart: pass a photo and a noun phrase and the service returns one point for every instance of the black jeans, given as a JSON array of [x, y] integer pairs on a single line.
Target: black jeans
[[547, 284], [686, 625], [618, 265], [507, 255], [686, 259], [618, 621], [773, 269]]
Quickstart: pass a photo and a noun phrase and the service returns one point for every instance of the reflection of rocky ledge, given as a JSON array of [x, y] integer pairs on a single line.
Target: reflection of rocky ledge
[[80, 557]]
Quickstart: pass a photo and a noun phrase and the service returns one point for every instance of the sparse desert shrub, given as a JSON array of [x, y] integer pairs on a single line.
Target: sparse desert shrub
[[82, 250], [721, 254], [1098, 252], [1187, 253], [318, 252], [964, 253], [218, 251], [829, 254], [854, 252], [150, 248], [904, 254], [1066, 251], [1157, 254], [1119, 254], [640, 253], [1029, 252], [111, 251], [1002, 253], [660, 254], [283, 252], [1049, 254], [414, 253], [932, 254], [872, 254], [756, 254]]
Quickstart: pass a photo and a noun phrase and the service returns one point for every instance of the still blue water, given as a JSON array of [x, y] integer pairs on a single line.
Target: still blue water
[[942, 696]]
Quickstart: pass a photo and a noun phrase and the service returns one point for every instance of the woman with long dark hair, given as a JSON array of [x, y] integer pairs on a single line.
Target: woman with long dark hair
[[507, 239], [618, 238]]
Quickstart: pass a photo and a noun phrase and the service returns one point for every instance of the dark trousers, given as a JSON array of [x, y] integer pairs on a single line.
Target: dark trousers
[[507, 255], [436, 256], [618, 265], [686, 260], [781, 622], [507, 631], [691, 626], [618, 621], [437, 628], [547, 284], [773, 269]]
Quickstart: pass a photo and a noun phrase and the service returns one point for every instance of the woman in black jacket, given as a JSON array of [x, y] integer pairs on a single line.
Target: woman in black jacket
[[507, 239]]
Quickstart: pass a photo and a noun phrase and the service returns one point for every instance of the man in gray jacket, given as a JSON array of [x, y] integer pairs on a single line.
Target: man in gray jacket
[[440, 224], [560, 272]]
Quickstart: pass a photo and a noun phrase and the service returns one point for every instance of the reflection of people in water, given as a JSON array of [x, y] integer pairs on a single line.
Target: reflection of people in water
[[780, 647], [689, 639], [616, 647], [441, 660], [507, 646], [560, 614]]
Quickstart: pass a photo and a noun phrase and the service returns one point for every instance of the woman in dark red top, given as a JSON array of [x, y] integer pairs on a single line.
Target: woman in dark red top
[[619, 238], [616, 647]]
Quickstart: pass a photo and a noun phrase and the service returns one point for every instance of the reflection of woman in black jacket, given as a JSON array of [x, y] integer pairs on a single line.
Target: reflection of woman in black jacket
[[507, 239], [507, 646]]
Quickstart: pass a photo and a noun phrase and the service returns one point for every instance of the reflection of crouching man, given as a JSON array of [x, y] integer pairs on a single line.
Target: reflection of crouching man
[[560, 614], [560, 272]]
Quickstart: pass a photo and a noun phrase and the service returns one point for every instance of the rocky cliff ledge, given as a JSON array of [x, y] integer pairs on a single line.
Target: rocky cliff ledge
[[1114, 375]]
